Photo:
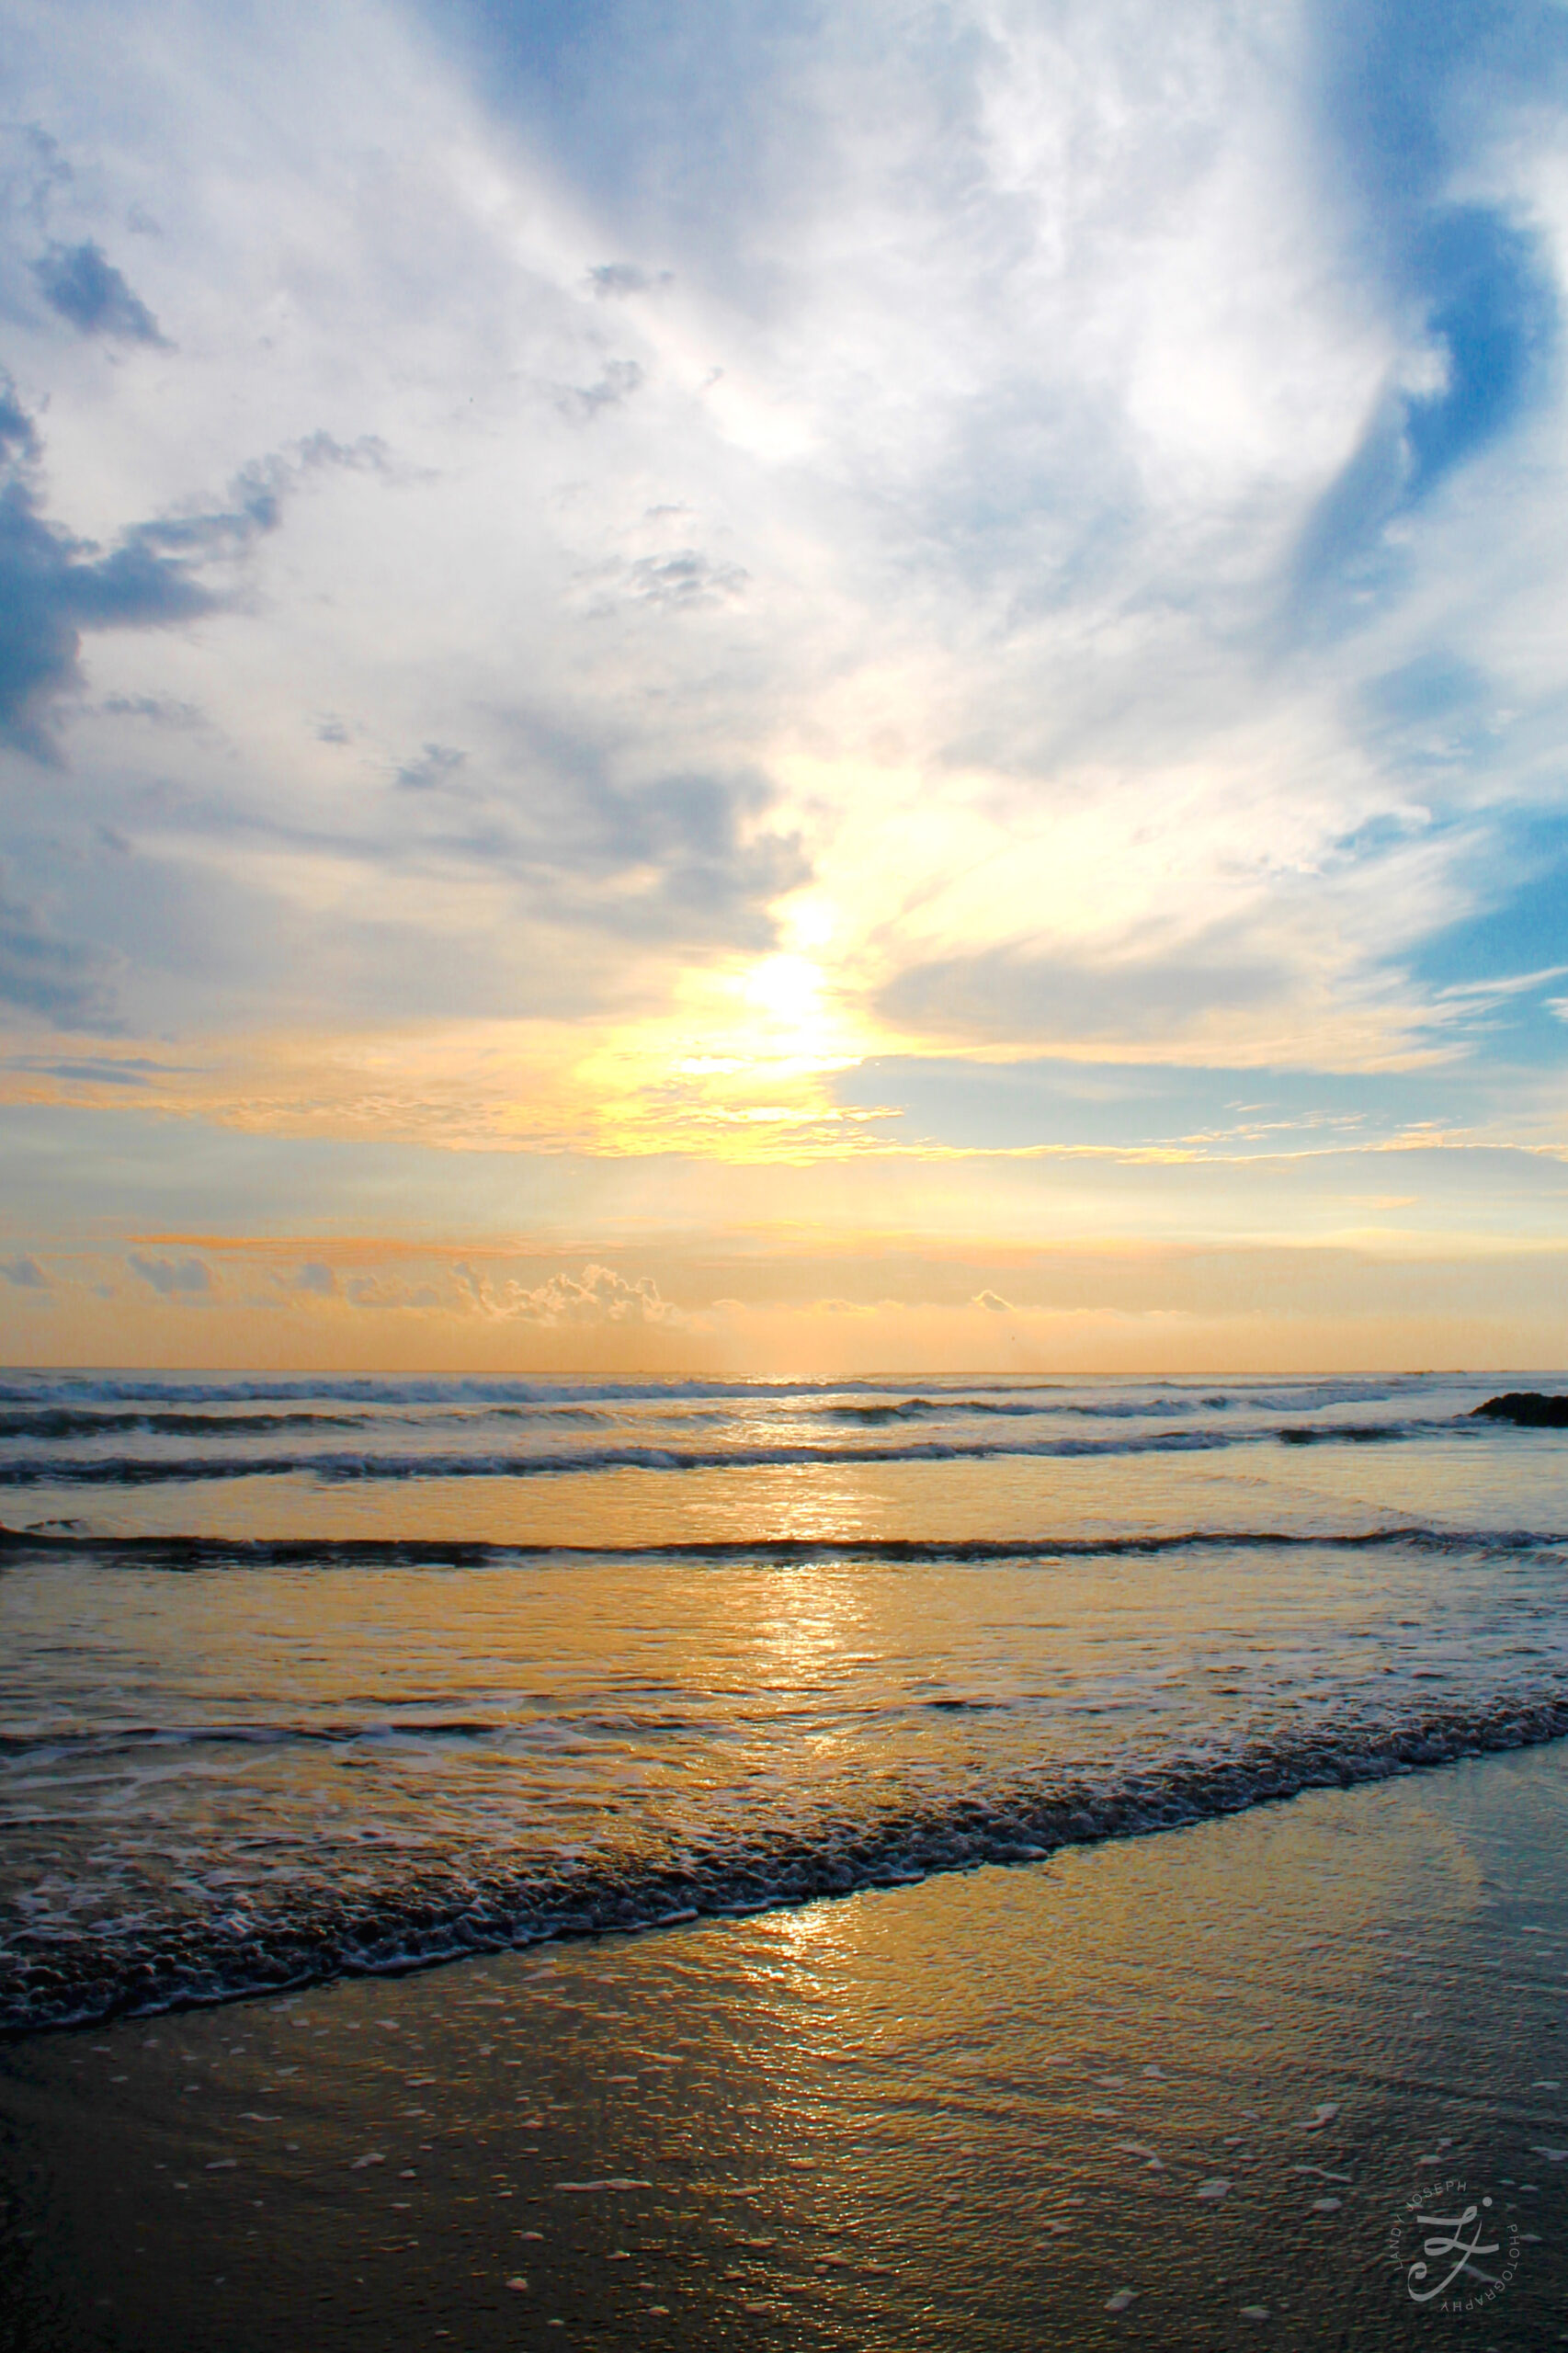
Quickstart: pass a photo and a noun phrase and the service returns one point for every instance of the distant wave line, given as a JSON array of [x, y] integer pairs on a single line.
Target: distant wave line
[[67, 1421], [334, 1470]]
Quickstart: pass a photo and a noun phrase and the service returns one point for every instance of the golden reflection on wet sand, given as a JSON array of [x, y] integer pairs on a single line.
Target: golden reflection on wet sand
[[1174, 2090]]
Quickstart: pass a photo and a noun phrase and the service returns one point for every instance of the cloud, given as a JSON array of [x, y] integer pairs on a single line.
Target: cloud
[[368, 453], [1407, 92], [174, 1277], [24, 1273], [1009, 994], [159, 710], [1491, 312], [436, 766], [90, 1070], [54, 586], [34, 174], [18, 440], [378, 1292], [693, 856], [1085, 498], [684, 579], [66, 983], [620, 380], [1486, 323], [316, 1280], [84, 286], [1410, 101], [614, 280], [600, 1296], [1082, 1106]]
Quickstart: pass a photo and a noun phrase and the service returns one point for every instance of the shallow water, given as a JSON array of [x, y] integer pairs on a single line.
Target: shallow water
[[1191, 2092], [305, 1675]]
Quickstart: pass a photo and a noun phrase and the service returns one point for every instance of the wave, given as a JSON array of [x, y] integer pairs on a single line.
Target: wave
[[97, 1421], [59, 1975], [67, 1421], [397, 1552], [113, 1740], [916, 1409], [336, 1470]]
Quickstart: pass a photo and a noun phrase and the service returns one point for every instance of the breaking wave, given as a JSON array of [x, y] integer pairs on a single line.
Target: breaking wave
[[394, 1551], [41, 1422], [423, 1914]]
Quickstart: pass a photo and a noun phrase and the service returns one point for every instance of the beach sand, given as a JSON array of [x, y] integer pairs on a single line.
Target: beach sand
[[1189, 2090]]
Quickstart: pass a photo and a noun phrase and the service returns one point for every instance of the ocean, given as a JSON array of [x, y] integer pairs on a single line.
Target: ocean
[[313, 1677]]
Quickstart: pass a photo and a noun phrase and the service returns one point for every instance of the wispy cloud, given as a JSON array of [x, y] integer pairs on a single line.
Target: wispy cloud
[[160, 573]]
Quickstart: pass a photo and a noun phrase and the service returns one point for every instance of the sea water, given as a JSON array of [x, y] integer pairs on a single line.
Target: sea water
[[301, 1677]]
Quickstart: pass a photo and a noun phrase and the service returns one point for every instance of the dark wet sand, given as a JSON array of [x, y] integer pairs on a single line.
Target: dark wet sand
[[1174, 2091]]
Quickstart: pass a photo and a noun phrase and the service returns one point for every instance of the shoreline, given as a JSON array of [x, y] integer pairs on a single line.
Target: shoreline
[[1010, 1826], [1179, 2087]]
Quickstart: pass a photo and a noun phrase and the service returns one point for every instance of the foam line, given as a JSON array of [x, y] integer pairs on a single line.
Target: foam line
[[241, 1946]]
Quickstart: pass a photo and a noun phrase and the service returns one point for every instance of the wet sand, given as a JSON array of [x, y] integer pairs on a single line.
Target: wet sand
[[1185, 2091]]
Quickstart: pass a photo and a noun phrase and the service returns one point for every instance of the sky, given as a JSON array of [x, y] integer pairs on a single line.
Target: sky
[[796, 689]]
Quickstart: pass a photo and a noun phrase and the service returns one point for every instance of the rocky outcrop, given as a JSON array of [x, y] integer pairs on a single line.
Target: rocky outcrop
[[1528, 1408]]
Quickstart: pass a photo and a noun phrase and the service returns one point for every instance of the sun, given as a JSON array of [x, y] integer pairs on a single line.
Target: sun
[[786, 992]]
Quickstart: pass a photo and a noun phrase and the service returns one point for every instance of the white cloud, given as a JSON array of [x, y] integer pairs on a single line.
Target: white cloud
[[599, 1296]]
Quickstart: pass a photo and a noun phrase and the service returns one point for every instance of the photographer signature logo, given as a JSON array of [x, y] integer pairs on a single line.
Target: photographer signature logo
[[1457, 2251]]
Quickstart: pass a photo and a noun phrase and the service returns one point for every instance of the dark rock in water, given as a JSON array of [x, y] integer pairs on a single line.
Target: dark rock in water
[[1528, 1408]]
